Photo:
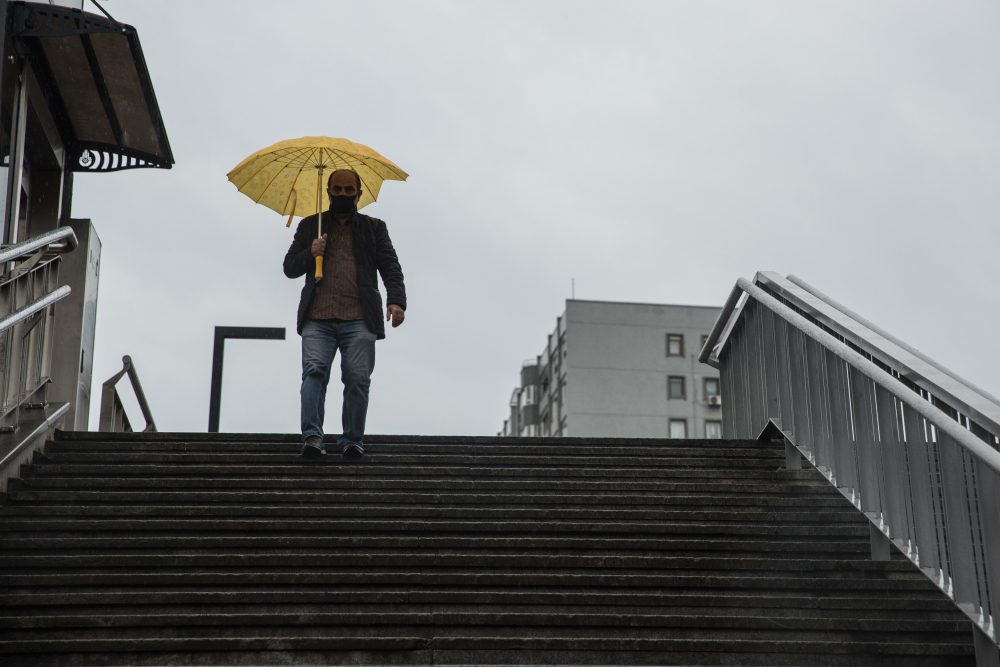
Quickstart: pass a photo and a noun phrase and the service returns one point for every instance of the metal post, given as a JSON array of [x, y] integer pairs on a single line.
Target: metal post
[[221, 334], [15, 171]]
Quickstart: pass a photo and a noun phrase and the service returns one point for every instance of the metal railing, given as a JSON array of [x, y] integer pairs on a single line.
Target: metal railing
[[913, 446], [113, 417], [28, 291]]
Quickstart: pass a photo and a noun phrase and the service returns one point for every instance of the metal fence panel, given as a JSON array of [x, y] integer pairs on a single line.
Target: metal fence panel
[[894, 475], [845, 457], [989, 521], [729, 393], [741, 397], [864, 436], [785, 409], [769, 363], [958, 524], [800, 404]]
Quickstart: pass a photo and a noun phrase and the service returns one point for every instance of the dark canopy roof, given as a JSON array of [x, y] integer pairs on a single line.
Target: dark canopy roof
[[94, 78]]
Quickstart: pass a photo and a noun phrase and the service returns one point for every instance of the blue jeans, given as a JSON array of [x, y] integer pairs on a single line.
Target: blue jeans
[[320, 341]]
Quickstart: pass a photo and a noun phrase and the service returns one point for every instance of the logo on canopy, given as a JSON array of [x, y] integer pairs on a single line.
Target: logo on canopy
[[86, 159]]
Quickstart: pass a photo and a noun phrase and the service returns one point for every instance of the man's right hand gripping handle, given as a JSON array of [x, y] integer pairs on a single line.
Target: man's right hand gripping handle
[[318, 248]]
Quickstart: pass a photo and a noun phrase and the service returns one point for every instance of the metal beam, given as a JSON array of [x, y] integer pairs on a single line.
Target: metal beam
[[102, 89], [50, 91], [221, 334]]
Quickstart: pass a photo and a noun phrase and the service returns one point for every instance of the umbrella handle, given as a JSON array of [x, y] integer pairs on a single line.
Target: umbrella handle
[[319, 267]]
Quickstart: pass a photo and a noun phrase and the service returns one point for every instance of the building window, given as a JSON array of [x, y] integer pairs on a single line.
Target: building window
[[675, 387], [711, 387], [675, 345], [678, 429], [713, 430]]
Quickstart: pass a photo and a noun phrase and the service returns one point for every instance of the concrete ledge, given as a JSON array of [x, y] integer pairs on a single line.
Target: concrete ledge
[[35, 426]]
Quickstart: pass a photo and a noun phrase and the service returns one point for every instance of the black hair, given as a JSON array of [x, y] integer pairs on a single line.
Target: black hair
[[349, 171]]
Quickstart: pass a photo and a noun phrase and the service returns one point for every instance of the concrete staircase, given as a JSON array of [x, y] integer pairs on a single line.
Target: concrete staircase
[[228, 549]]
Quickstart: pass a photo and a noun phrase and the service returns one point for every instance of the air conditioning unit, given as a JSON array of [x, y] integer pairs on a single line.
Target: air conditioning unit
[[715, 400]]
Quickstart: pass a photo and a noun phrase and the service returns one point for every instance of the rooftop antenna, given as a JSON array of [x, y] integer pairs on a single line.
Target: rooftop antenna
[[572, 289]]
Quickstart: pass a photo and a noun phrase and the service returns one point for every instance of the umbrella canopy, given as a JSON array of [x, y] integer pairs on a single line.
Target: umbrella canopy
[[283, 177]]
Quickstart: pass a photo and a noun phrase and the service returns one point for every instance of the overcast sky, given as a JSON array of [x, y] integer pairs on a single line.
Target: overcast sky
[[653, 151]]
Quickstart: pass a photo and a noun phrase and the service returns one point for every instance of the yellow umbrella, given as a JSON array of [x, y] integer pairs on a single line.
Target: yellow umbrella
[[288, 176]]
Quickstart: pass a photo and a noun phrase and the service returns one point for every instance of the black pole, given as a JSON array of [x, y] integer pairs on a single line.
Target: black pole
[[221, 334]]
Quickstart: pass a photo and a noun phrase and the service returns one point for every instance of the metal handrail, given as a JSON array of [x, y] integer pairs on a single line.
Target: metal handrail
[[52, 238], [113, 418], [926, 476], [41, 303], [888, 336]]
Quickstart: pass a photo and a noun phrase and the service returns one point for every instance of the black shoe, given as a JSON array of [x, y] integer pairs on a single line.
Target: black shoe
[[352, 450], [313, 448]]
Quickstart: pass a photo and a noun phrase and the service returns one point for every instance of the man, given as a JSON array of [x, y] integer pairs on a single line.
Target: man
[[342, 310]]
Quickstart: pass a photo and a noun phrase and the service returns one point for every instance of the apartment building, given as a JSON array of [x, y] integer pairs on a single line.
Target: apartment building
[[626, 370]]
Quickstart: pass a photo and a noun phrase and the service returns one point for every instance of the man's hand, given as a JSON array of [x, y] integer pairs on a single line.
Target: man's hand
[[319, 247], [395, 313]]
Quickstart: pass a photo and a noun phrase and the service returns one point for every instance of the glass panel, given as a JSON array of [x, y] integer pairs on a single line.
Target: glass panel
[[713, 430], [678, 429]]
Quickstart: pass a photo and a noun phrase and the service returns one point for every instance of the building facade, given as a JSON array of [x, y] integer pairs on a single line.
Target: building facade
[[622, 370]]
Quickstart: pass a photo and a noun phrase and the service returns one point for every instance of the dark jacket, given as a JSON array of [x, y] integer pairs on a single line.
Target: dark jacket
[[373, 251]]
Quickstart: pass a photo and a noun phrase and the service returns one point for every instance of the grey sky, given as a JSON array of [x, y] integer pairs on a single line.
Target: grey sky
[[655, 151]]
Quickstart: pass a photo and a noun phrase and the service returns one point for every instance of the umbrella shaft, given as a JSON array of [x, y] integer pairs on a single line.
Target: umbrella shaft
[[319, 205]]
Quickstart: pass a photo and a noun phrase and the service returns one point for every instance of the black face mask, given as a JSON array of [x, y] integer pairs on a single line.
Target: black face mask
[[343, 204]]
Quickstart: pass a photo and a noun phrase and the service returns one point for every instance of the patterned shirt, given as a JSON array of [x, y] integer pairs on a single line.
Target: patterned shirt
[[336, 295]]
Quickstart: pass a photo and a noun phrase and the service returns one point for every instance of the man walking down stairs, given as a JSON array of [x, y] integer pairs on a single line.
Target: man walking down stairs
[[218, 549]]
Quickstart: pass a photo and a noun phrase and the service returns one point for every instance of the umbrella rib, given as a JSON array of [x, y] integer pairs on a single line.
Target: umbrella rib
[[248, 160], [395, 170], [256, 174]]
